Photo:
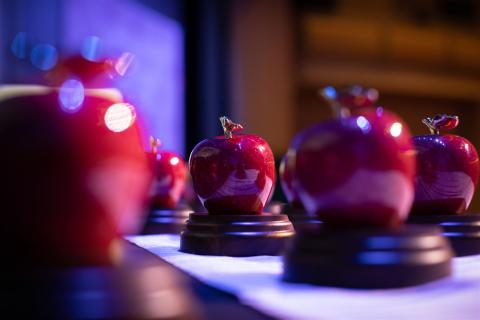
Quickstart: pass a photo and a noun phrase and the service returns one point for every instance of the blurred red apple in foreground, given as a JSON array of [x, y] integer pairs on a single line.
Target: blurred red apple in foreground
[[448, 169], [74, 174], [170, 173], [356, 170], [233, 174]]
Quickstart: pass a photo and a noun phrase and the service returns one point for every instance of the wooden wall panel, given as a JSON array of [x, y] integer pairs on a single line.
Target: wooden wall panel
[[262, 69]]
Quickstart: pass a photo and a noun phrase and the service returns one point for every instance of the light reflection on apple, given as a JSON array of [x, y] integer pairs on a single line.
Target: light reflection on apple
[[119, 117], [396, 129], [174, 161]]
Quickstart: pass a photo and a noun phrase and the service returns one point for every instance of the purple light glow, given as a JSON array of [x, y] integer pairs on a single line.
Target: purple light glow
[[154, 81]]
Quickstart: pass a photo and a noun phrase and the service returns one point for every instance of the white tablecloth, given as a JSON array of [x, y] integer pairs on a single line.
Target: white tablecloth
[[256, 282]]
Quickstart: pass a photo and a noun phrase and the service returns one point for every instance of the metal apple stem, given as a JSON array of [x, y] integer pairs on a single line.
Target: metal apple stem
[[155, 143], [440, 121], [229, 127], [330, 95]]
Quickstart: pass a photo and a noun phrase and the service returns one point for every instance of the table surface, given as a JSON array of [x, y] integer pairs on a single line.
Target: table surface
[[33, 293], [215, 303], [255, 281]]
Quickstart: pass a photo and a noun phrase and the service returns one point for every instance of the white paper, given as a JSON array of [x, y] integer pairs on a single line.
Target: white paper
[[256, 281]]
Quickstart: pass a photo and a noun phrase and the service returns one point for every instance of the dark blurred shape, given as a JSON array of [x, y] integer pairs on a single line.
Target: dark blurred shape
[[70, 186], [324, 6], [74, 181], [207, 67], [139, 286], [463, 12]]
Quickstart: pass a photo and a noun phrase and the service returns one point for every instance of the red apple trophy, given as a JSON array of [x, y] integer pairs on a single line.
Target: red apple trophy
[[448, 169], [75, 179], [167, 214], [356, 173], [233, 176]]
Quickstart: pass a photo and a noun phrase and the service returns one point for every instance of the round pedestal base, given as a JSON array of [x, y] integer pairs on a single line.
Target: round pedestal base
[[140, 286], [166, 221], [463, 231], [236, 235], [300, 219], [409, 255]]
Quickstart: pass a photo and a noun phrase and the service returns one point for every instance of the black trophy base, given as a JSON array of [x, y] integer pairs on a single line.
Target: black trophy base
[[236, 235], [300, 219], [463, 231], [139, 286], [368, 259], [164, 221]]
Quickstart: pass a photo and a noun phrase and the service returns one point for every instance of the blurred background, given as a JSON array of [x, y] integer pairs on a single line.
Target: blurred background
[[259, 61]]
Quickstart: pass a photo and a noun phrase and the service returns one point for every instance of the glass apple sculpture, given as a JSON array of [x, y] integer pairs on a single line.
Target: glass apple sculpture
[[93, 74], [74, 176], [286, 172], [234, 173], [170, 171], [357, 169], [448, 169], [354, 97]]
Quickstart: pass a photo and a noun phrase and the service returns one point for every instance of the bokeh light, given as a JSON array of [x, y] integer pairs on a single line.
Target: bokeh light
[[44, 56], [71, 95], [174, 161], [379, 111], [363, 124], [19, 45], [91, 49], [372, 94], [330, 92], [124, 62], [396, 129], [119, 117]]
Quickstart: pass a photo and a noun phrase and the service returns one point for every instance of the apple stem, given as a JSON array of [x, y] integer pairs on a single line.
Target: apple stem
[[229, 127], [440, 121], [330, 95], [155, 143], [429, 123]]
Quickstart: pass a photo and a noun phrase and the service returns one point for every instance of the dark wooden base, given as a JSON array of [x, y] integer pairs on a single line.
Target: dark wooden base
[[300, 219], [236, 235], [140, 286], [463, 231], [162, 221], [409, 255]]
